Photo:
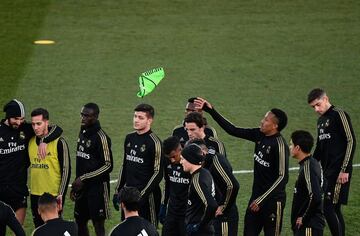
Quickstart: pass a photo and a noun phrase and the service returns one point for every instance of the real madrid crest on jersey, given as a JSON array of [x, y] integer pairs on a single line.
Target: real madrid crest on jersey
[[88, 143], [143, 148], [327, 123], [22, 135], [268, 149]]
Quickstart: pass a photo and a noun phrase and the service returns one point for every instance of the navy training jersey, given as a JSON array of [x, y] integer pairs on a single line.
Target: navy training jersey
[[308, 195], [336, 142], [271, 160], [176, 189], [94, 160], [142, 163]]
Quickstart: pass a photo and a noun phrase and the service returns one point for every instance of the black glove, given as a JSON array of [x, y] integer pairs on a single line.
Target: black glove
[[192, 228], [162, 213], [116, 201]]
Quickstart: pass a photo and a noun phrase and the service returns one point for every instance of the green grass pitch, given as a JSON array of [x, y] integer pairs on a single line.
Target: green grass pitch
[[244, 56]]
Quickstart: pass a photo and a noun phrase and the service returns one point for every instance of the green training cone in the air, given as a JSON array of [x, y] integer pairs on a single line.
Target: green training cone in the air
[[149, 80]]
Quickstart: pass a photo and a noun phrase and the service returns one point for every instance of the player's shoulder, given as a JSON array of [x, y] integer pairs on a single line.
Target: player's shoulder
[[178, 127]]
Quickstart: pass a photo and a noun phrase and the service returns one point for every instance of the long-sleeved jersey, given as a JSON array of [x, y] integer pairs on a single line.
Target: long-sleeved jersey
[[7, 218], [51, 174], [308, 195], [142, 164], [14, 159], [94, 160], [227, 187], [271, 160], [201, 205], [180, 132], [336, 142], [134, 225], [176, 189], [57, 227], [215, 145]]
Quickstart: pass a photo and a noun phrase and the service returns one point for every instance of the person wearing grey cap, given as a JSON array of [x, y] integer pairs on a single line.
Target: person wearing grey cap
[[201, 204], [14, 161]]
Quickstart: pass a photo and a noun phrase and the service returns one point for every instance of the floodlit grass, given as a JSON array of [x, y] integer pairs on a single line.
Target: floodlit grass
[[244, 56]]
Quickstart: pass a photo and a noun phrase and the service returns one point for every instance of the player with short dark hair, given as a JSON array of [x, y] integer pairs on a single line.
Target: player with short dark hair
[[8, 218], [271, 161], [173, 209], [227, 188], [49, 208], [180, 131], [142, 164], [52, 173], [307, 216], [335, 148], [195, 127], [15, 134], [129, 198], [94, 163]]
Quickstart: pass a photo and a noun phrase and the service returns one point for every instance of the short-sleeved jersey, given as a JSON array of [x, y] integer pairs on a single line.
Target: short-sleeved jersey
[[94, 160], [308, 195], [176, 189], [57, 227], [134, 225], [142, 164]]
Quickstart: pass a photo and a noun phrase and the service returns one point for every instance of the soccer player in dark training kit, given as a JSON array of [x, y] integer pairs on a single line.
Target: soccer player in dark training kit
[[7, 218], [335, 149], [271, 161], [195, 127], [52, 173], [15, 134], [180, 131], [94, 162], [143, 164], [133, 225], [201, 203], [173, 209], [227, 188], [49, 208], [307, 216]]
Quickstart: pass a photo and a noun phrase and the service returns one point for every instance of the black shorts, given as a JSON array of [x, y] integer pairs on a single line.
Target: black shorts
[[93, 202], [174, 226], [16, 197]]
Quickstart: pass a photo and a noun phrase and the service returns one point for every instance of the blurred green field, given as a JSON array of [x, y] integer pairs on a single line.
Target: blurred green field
[[244, 56]]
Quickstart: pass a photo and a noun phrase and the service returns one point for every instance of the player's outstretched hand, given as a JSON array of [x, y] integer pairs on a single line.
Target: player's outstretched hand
[[116, 202], [202, 104]]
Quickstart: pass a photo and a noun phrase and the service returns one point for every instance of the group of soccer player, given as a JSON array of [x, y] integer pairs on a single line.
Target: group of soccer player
[[200, 191]]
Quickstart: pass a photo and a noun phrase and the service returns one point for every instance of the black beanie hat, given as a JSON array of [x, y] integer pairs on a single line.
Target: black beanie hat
[[14, 108], [281, 116], [192, 153]]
